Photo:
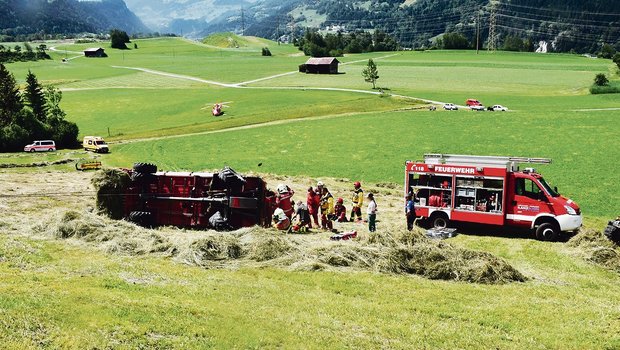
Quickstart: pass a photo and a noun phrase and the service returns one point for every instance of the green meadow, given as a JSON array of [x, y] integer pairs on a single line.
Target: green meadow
[[153, 104]]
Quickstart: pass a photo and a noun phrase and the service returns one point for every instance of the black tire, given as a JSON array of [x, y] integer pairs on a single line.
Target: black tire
[[32, 150], [142, 178], [547, 232], [141, 218], [440, 221], [145, 168]]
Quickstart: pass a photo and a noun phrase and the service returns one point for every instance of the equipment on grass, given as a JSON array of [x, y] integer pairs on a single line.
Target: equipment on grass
[[345, 236], [612, 231], [223, 200], [82, 165]]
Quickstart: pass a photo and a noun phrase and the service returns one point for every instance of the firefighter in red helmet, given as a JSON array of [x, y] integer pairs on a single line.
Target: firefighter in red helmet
[[340, 211], [357, 200]]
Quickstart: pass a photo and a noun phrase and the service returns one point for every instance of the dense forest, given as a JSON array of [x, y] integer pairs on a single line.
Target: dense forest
[[316, 45], [39, 19], [566, 25]]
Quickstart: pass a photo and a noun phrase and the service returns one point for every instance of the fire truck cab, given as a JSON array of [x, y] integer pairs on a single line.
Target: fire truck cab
[[489, 190]]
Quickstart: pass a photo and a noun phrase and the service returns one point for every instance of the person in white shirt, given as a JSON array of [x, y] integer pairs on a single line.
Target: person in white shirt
[[372, 212]]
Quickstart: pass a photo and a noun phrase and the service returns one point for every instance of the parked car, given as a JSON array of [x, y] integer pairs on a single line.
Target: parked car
[[450, 107], [41, 146], [477, 108], [499, 108], [472, 102]]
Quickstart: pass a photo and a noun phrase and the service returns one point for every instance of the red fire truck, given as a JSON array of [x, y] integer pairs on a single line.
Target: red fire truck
[[489, 190], [223, 200]]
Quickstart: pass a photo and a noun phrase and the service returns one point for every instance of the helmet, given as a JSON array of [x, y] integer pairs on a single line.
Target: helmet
[[340, 201], [320, 183], [357, 184]]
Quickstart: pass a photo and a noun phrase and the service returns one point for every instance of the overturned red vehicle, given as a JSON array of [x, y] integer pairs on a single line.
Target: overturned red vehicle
[[222, 200]]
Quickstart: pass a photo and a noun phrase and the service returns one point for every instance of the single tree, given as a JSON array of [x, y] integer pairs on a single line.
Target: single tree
[[370, 73], [119, 39], [601, 80], [616, 59], [35, 98], [607, 51], [10, 99], [53, 96]]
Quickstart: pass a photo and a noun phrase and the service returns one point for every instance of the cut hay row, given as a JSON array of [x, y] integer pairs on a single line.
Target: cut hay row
[[135, 80], [38, 164], [396, 252], [596, 248]]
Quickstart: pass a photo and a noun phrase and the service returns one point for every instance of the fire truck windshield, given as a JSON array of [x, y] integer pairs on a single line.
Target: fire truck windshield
[[548, 188]]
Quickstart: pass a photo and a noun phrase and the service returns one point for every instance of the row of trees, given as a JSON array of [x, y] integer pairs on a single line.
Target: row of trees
[[32, 114], [16, 53], [316, 45], [458, 41]]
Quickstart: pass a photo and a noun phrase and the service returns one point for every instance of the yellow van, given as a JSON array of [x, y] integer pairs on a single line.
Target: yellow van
[[95, 144]]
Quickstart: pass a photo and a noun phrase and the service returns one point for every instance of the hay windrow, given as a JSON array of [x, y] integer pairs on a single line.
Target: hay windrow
[[393, 252], [596, 248]]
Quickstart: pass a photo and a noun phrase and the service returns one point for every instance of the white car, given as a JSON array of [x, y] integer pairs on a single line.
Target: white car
[[499, 108], [450, 107], [477, 108]]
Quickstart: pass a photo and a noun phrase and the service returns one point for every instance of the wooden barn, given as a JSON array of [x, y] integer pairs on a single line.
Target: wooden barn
[[95, 52], [320, 65]]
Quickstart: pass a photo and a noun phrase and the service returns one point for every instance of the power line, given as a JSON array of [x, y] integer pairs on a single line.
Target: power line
[[598, 14]]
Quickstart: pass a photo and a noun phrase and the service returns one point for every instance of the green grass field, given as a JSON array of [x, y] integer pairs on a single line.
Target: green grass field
[[69, 294], [55, 294]]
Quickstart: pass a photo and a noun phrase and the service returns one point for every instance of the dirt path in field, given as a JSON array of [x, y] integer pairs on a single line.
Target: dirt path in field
[[79, 54]]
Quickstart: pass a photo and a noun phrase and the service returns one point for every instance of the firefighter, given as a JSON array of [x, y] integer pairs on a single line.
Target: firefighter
[[357, 199], [327, 209], [284, 199], [281, 220], [312, 201], [303, 218], [319, 188], [340, 211]]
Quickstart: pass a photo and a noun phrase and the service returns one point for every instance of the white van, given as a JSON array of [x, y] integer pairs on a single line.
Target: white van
[[41, 146], [95, 144]]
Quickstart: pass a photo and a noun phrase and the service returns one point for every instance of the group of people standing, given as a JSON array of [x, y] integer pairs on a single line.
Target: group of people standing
[[320, 201]]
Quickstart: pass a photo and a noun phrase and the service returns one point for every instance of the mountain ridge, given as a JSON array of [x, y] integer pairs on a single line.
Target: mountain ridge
[[43, 17]]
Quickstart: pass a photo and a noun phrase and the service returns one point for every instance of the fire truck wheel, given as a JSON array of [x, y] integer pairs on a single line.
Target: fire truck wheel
[[440, 221], [141, 218], [547, 232], [145, 168]]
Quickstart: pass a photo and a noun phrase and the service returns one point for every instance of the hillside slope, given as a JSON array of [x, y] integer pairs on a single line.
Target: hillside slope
[[565, 25], [24, 17]]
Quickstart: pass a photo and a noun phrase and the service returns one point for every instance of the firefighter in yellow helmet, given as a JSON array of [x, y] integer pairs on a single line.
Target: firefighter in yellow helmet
[[327, 209]]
